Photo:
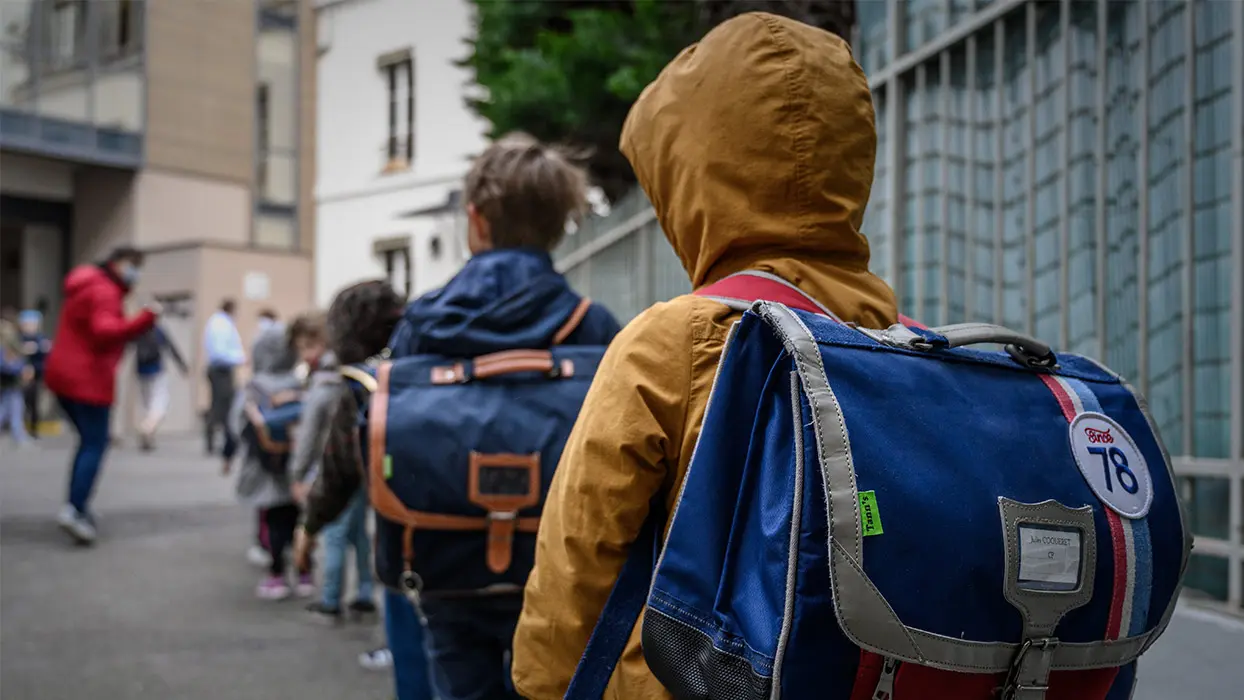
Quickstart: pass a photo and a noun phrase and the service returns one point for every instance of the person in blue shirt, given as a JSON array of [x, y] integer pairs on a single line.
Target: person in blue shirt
[[224, 352], [35, 346], [149, 351]]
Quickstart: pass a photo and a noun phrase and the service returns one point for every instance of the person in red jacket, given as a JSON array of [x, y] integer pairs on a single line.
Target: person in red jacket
[[81, 369]]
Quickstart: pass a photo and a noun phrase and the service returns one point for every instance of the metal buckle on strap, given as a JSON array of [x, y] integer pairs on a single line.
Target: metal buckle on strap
[[1029, 677]]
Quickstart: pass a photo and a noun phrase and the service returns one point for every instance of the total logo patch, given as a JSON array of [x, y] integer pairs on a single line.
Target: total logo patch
[[1112, 464]]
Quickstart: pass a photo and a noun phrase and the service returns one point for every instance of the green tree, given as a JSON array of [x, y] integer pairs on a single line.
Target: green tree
[[568, 71]]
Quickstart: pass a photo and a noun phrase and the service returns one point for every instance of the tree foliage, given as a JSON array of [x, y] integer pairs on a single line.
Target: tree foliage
[[568, 71]]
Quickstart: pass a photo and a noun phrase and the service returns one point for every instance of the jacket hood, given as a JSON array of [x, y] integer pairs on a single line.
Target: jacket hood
[[86, 276], [271, 353], [756, 148], [500, 300]]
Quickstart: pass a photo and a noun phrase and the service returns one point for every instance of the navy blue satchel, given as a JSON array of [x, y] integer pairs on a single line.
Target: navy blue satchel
[[893, 514], [460, 454]]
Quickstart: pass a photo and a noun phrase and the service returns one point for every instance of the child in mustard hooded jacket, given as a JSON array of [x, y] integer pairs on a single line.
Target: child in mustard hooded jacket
[[756, 149]]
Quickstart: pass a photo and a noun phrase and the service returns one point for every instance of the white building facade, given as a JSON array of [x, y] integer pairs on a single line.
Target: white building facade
[[395, 139]]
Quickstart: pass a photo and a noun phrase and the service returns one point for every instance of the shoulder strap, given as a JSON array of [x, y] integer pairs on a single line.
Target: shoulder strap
[[622, 610], [573, 321], [740, 290], [367, 381]]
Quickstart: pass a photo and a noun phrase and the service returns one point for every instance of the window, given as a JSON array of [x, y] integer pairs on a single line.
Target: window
[[66, 27], [398, 69], [263, 134], [119, 30], [276, 222], [394, 253]]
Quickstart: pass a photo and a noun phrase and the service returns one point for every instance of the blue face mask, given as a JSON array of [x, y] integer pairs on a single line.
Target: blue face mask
[[129, 275]]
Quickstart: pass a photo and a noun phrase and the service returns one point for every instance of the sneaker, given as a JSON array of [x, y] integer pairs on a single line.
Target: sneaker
[[305, 587], [376, 659], [146, 443], [272, 588], [323, 613], [78, 525], [258, 557], [362, 609]]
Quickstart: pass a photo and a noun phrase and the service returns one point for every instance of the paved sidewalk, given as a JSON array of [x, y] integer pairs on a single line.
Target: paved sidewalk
[[163, 606]]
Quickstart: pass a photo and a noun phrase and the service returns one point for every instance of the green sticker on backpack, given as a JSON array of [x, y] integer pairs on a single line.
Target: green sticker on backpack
[[870, 515], [388, 467]]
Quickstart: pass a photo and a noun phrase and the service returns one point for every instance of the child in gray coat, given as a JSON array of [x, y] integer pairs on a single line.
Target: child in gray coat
[[258, 487]]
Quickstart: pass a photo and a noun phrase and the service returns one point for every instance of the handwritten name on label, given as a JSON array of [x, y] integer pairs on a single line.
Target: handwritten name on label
[[1049, 559]]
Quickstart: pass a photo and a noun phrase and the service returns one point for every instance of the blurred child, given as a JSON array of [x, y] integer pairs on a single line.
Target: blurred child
[[149, 351], [259, 485], [309, 337], [359, 324], [35, 346], [14, 370]]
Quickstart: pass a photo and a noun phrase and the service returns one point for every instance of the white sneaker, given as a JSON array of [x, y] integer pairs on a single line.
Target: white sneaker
[[76, 524], [258, 557], [376, 659]]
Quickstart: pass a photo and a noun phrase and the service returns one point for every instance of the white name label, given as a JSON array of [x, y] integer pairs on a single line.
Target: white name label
[[1112, 464], [1049, 559]]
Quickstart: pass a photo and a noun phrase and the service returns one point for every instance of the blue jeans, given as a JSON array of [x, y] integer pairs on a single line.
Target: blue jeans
[[348, 529], [91, 423], [469, 641], [410, 659], [13, 413]]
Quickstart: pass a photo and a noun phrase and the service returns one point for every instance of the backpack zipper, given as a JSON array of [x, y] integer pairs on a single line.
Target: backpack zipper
[[885, 684]]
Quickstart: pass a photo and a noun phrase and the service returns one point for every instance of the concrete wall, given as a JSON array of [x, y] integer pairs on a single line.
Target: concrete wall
[[201, 88], [192, 281], [356, 203]]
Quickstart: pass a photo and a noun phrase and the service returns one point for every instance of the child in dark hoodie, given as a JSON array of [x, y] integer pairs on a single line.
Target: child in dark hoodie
[[520, 197]]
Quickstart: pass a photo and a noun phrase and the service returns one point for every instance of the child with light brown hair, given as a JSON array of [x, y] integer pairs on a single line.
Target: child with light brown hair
[[520, 196]]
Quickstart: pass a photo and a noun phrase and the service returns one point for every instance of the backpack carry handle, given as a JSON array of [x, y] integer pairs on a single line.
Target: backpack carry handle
[[499, 364], [1024, 349]]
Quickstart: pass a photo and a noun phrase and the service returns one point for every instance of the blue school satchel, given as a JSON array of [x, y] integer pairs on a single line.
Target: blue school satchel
[[460, 455], [271, 421], [893, 515]]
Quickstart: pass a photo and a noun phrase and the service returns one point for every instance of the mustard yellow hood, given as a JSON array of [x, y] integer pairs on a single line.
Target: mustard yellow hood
[[756, 148]]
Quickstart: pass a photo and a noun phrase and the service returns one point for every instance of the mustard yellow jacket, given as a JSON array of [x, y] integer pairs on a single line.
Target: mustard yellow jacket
[[756, 148]]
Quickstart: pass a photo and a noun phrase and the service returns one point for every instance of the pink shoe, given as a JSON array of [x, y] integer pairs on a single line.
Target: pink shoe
[[272, 588], [305, 587]]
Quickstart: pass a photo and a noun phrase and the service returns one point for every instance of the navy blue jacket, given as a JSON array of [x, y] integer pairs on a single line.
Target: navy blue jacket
[[501, 300]]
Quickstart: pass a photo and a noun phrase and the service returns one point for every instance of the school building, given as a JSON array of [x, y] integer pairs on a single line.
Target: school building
[[1073, 169], [183, 127]]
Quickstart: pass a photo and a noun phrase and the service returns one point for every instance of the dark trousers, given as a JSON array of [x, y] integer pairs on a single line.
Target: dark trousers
[[406, 642], [221, 385], [282, 521], [91, 424], [469, 641], [31, 393]]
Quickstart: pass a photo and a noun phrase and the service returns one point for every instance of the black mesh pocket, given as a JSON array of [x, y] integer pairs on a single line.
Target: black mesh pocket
[[691, 668]]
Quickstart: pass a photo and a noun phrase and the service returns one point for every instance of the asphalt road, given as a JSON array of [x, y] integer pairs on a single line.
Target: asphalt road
[[163, 607]]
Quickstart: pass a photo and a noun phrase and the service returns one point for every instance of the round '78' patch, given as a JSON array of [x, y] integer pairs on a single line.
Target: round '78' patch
[[1112, 464]]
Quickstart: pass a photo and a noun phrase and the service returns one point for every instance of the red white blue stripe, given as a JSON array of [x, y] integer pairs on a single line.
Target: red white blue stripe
[[1132, 548]]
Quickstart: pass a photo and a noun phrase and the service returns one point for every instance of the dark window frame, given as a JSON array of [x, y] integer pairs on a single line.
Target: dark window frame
[[400, 146]]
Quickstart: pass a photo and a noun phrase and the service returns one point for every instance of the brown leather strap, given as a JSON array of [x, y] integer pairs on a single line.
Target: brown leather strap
[[576, 317], [500, 543]]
